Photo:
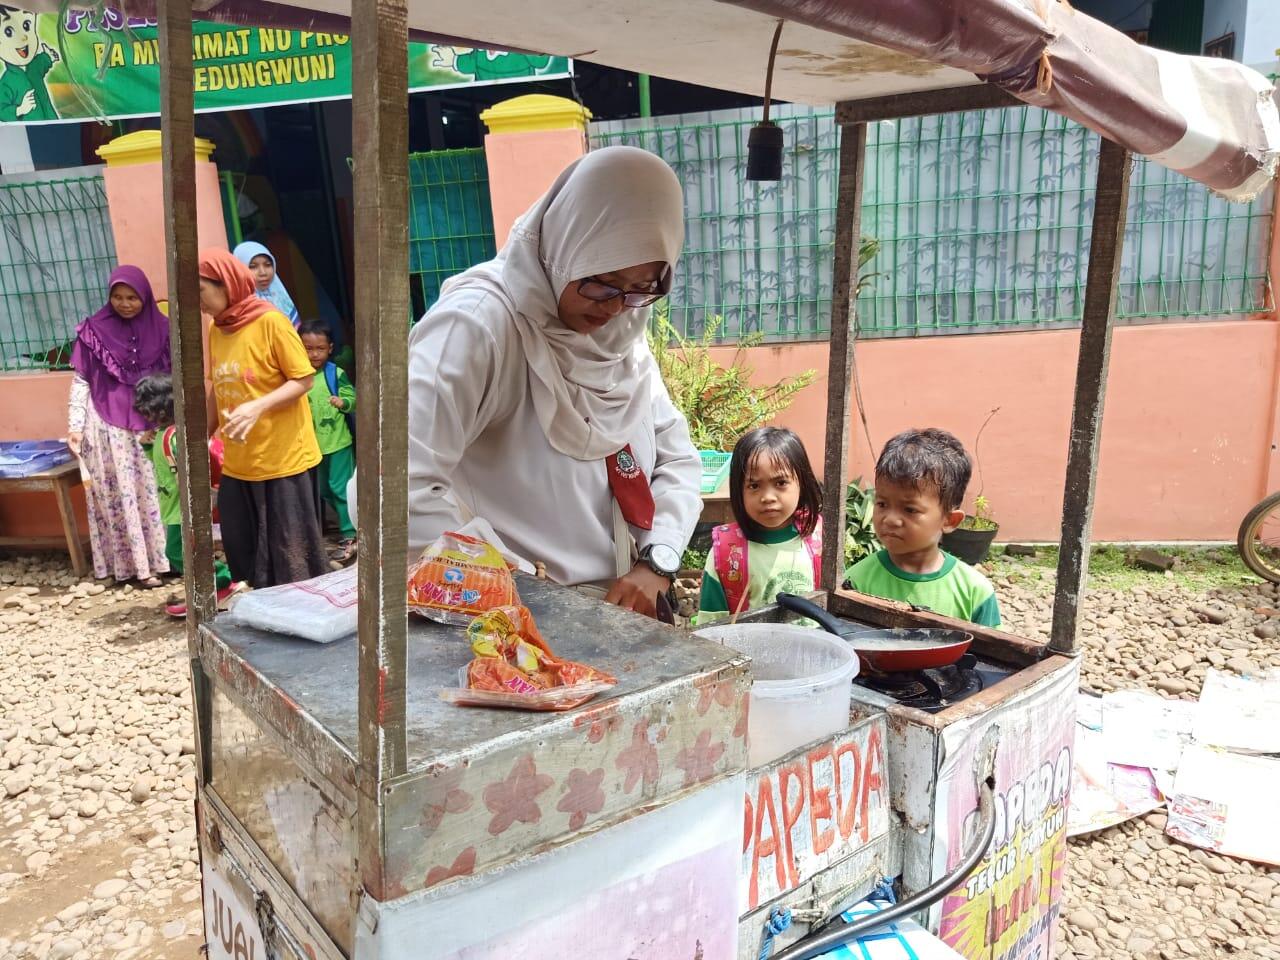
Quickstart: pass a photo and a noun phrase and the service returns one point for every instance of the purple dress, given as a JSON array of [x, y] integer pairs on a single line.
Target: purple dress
[[111, 355]]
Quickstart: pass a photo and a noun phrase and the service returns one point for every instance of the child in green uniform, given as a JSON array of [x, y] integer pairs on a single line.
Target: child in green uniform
[[153, 399], [921, 478], [333, 400], [776, 544]]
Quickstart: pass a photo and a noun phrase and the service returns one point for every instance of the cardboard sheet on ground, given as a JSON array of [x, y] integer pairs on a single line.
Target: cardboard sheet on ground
[[1240, 713], [1144, 730], [1225, 802], [1104, 794], [903, 938]]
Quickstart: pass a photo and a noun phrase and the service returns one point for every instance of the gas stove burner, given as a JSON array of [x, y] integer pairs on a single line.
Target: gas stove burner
[[929, 690]]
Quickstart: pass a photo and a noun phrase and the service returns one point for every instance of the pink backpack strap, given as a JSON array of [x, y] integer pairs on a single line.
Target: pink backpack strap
[[813, 544], [729, 553]]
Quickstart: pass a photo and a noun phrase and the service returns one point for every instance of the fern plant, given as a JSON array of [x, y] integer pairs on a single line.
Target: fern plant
[[720, 402]]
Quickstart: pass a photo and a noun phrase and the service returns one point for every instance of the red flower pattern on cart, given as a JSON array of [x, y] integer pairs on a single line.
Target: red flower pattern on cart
[[453, 800], [640, 760], [463, 866], [720, 692], [515, 798], [584, 796], [744, 713], [699, 761]]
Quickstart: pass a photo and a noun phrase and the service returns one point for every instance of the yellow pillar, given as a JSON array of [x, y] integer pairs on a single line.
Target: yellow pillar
[[531, 140]]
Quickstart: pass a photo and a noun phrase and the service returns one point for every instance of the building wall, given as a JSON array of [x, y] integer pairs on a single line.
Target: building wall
[[1186, 438]]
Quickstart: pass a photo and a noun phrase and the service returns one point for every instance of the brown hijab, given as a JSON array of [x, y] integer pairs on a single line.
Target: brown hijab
[[243, 304]]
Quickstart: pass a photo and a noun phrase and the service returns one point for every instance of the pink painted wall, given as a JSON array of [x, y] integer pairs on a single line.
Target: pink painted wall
[[521, 168], [1186, 439], [135, 194], [33, 406]]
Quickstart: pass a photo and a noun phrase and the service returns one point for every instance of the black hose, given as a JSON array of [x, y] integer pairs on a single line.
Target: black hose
[[825, 940]]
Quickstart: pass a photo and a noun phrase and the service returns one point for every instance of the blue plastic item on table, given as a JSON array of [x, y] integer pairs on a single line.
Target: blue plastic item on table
[[24, 458], [715, 467]]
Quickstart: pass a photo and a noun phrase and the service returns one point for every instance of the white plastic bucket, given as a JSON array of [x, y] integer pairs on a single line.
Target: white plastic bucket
[[802, 686]]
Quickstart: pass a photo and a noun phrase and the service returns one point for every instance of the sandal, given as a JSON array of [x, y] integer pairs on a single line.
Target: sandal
[[151, 583]]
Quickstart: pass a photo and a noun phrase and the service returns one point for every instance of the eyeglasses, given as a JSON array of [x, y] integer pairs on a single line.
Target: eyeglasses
[[598, 292]]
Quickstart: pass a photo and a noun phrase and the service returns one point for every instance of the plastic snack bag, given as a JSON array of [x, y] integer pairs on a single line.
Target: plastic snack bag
[[515, 668], [459, 577]]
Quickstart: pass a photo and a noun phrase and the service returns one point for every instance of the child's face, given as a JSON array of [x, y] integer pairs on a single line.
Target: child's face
[[909, 520], [18, 41], [125, 301], [263, 270], [770, 492], [319, 348]]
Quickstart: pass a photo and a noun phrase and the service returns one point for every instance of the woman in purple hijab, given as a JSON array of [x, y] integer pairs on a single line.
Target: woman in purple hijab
[[126, 340]]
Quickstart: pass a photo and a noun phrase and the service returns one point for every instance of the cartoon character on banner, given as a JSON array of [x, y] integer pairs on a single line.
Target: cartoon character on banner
[[27, 61]]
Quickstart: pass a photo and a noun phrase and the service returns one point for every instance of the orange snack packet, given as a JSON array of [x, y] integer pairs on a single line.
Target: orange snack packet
[[459, 577], [514, 667]]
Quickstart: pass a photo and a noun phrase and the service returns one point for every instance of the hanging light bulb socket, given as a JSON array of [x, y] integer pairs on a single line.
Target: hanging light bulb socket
[[766, 140]]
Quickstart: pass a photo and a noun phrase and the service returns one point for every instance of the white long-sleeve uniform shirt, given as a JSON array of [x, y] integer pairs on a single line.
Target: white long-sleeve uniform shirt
[[474, 433]]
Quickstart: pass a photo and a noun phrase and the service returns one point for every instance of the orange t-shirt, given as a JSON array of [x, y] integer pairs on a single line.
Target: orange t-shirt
[[250, 363]]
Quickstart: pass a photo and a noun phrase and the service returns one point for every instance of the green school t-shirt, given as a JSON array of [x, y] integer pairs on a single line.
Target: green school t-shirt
[[166, 477], [777, 563], [332, 432], [957, 590]]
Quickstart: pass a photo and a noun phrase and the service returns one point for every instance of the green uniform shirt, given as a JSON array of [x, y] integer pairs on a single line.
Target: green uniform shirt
[[332, 432], [16, 81], [777, 563], [166, 477], [478, 64], [957, 590]]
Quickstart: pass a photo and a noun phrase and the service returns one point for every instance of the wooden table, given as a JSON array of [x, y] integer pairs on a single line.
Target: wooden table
[[59, 480]]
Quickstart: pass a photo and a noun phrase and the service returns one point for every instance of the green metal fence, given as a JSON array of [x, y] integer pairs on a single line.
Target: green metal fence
[[983, 221], [450, 220], [56, 253]]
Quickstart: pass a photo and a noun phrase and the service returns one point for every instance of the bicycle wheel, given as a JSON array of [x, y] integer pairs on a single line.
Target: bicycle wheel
[[1259, 539]]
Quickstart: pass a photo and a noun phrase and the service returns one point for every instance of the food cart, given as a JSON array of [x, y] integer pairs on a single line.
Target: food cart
[[344, 811]]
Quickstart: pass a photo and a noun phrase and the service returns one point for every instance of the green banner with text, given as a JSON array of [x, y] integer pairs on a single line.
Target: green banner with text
[[98, 64]]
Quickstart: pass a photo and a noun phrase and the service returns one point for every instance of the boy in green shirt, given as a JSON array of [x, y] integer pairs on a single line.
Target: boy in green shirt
[[333, 400], [921, 478], [153, 399]]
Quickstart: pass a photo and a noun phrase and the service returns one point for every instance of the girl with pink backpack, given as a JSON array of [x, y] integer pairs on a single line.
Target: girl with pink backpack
[[776, 544]]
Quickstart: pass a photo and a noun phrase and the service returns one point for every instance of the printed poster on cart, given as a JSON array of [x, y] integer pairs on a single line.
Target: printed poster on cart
[[93, 64], [1008, 907]]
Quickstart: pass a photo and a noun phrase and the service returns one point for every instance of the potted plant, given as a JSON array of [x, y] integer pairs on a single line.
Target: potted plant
[[860, 538], [971, 541]]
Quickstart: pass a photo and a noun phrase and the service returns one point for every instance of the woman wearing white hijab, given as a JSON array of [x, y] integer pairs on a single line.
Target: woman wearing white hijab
[[534, 401]]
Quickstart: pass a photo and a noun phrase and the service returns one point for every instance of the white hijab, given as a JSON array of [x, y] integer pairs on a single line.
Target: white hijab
[[615, 208]]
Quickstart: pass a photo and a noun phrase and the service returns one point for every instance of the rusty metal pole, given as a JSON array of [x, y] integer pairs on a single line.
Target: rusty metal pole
[[380, 130], [1105, 246], [177, 128], [853, 152]]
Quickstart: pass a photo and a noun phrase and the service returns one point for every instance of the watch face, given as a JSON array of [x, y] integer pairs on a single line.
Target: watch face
[[664, 558]]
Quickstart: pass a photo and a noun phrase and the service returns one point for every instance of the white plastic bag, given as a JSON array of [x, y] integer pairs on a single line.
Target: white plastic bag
[[322, 609]]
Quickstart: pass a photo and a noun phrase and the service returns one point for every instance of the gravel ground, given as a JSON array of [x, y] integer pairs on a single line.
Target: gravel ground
[[1133, 892], [97, 837]]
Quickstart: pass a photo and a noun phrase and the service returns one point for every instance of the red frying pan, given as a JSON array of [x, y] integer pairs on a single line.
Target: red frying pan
[[887, 651]]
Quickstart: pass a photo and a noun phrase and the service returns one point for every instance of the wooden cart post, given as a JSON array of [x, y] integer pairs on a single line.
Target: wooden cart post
[[1105, 246], [380, 109], [177, 131]]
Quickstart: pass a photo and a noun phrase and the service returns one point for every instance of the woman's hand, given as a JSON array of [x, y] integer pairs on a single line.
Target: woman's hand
[[335, 402], [638, 590], [74, 441], [241, 420]]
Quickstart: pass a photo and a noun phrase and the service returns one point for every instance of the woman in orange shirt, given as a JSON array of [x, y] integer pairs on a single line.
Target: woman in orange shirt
[[261, 375]]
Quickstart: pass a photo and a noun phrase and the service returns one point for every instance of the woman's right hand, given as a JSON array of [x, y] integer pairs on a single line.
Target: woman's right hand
[[74, 441]]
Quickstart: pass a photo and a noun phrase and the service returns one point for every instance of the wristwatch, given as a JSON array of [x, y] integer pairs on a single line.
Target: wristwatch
[[661, 559]]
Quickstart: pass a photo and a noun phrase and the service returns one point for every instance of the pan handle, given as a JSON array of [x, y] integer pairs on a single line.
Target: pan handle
[[807, 608]]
